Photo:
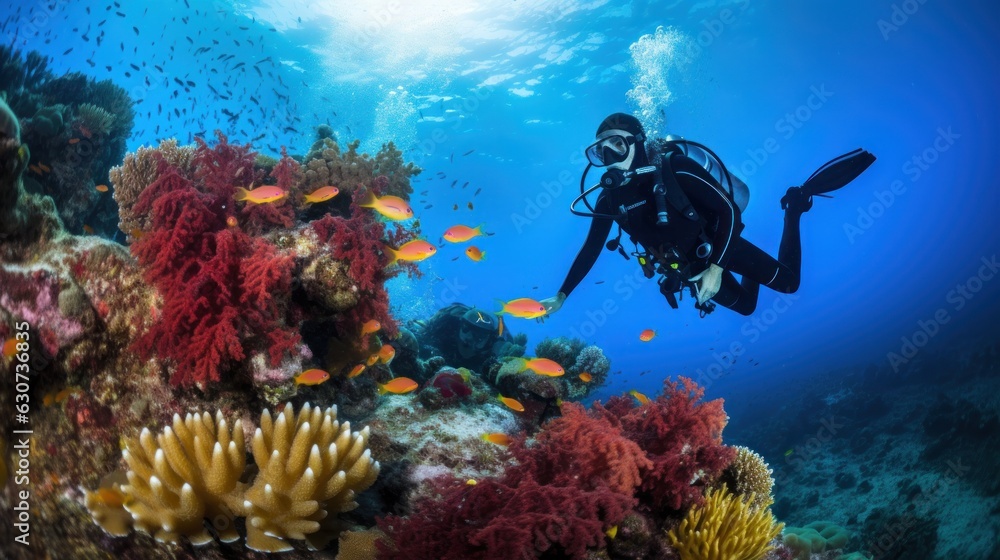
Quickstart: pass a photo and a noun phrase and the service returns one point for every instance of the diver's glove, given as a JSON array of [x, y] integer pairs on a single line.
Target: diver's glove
[[553, 303], [709, 282]]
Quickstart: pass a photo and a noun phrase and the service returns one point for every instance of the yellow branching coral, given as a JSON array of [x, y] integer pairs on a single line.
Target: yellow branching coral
[[750, 474], [725, 528], [310, 467]]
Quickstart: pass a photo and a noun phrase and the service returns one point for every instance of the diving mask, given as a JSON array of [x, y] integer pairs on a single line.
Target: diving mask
[[610, 150]]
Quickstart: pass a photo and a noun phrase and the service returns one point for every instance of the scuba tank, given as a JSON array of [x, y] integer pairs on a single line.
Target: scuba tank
[[706, 158]]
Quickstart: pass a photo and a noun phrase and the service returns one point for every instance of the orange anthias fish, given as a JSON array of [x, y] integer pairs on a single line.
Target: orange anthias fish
[[497, 438], [322, 194], [44, 167], [260, 195], [356, 371], [585, 377], [510, 403], [647, 335], [475, 253], [101, 188], [386, 353], [413, 251], [372, 360], [391, 207], [542, 366], [10, 347], [643, 399], [460, 233], [370, 327], [525, 308], [311, 377], [398, 386]]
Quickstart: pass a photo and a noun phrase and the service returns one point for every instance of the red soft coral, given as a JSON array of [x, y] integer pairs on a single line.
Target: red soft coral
[[223, 291], [681, 436], [511, 518], [586, 448], [262, 218], [575, 482], [359, 241]]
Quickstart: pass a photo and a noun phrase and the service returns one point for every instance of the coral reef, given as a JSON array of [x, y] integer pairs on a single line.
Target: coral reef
[[357, 241], [582, 475], [726, 527], [77, 129], [448, 387], [310, 468]]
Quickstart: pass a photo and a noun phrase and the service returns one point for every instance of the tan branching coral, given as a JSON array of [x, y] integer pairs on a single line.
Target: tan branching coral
[[310, 468], [359, 545], [327, 164], [186, 474], [750, 474], [137, 172], [726, 527]]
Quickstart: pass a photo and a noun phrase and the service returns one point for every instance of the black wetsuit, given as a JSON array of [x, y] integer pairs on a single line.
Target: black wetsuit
[[720, 225]]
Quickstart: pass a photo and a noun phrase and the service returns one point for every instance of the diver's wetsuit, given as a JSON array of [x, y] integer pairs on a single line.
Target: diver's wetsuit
[[721, 224]]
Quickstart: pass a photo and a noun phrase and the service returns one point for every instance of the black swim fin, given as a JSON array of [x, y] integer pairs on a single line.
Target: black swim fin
[[837, 172]]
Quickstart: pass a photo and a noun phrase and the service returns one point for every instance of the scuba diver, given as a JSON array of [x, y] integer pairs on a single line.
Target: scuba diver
[[464, 336], [682, 210]]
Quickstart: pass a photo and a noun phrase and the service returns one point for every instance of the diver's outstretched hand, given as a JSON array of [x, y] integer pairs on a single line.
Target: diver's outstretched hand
[[552, 305], [709, 283]]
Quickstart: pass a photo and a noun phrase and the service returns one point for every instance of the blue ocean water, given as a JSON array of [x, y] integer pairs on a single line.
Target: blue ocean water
[[504, 96]]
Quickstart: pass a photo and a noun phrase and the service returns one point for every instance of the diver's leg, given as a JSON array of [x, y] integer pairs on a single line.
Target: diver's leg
[[741, 297], [754, 264], [790, 254]]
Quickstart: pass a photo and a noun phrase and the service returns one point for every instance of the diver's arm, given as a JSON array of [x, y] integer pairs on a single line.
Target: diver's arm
[[585, 259], [706, 195]]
